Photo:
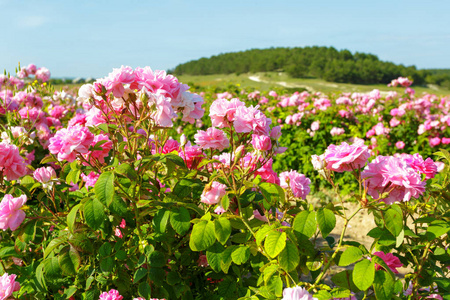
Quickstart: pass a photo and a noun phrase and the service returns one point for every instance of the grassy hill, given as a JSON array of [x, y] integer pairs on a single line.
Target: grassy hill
[[269, 80]]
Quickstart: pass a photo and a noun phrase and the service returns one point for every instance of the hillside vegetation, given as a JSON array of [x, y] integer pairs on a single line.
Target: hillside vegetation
[[325, 63]]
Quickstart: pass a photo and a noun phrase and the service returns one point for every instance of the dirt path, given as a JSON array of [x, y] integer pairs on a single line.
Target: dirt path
[[282, 83]]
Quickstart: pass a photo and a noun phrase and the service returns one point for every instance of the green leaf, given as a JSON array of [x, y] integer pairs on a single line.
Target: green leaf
[[51, 267], [289, 257], [383, 285], [202, 236], [326, 220], [226, 259], [275, 243], [156, 259], [126, 170], [69, 260], [214, 256], [118, 206], [436, 229], [139, 274], [345, 279], [273, 193], [393, 221], [94, 213], [52, 245], [160, 220], [305, 223], [262, 233], [222, 229], [350, 255], [72, 216], [240, 255], [180, 220], [364, 274], [104, 188]]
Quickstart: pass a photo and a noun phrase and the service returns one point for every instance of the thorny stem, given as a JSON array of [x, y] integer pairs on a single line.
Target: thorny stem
[[416, 284]]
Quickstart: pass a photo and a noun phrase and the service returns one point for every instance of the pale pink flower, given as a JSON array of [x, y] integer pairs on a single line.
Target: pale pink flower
[[335, 131], [12, 165], [298, 183], [111, 295], [116, 79], [94, 117], [273, 94], [34, 114], [78, 119], [31, 69], [391, 260], [219, 210], [261, 142], [394, 122], [68, 142], [45, 175], [318, 161], [170, 145], [445, 141], [42, 74], [163, 113], [58, 111], [11, 215], [249, 119], [346, 157], [213, 194], [212, 138], [392, 175], [297, 293], [315, 125], [400, 145], [8, 285]]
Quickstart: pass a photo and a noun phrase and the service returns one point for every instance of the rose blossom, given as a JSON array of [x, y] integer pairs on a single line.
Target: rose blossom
[[297, 293], [45, 175], [192, 156], [8, 285], [111, 295], [335, 131], [12, 165], [249, 119], [68, 142], [11, 216], [415, 161], [315, 125], [434, 141], [90, 179], [212, 138], [43, 74], [261, 142], [213, 193], [298, 183], [392, 175], [391, 261], [400, 145], [275, 133], [346, 157]]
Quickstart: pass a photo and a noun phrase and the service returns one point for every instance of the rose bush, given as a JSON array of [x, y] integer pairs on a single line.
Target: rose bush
[[102, 199]]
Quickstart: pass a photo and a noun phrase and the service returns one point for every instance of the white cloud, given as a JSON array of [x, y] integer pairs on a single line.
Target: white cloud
[[31, 21]]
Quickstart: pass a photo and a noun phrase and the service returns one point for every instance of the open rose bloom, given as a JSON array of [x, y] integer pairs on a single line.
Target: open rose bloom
[[346, 157], [11, 215], [8, 285]]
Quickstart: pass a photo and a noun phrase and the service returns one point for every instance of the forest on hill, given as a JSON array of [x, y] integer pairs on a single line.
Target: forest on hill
[[320, 62]]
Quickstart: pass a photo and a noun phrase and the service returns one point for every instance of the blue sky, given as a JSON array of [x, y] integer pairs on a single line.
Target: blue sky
[[89, 38]]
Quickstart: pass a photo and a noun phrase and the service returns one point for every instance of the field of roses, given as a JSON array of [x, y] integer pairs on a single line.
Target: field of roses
[[140, 187]]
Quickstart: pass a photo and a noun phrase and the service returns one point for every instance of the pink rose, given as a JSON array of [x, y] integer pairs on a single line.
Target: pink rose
[[111, 295], [11, 216], [8, 285], [90, 179], [45, 175], [261, 142], [43, 74], [297, 293], [100, 155], [391, 260], [388, 173], [192, 156], [335, 131], [315, 125], [400, 145], [212, 138], [68, 142], [346, 157], [298, 183], [275, 133], [12, 165], [213, 193], [434, 141]]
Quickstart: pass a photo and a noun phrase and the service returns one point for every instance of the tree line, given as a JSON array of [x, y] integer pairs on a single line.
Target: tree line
[[320, 62]]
